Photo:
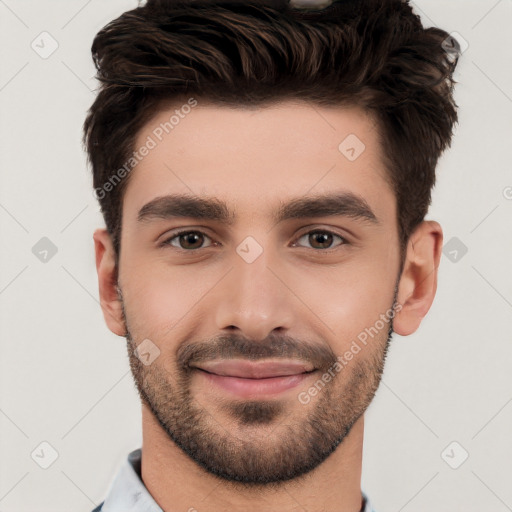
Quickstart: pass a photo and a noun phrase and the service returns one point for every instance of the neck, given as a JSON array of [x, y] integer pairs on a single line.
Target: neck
[[176, 482]]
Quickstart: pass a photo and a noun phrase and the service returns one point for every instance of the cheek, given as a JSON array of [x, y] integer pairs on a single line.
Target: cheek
[[160, 297], [351, 301]]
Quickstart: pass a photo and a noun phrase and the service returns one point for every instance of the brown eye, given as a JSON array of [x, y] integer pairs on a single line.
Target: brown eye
[[186, 240], [321, 239]]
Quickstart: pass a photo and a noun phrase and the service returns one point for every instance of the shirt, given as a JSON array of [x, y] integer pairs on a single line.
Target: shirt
[[127, 493]]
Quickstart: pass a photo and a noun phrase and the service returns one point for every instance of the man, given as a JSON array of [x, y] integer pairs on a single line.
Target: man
[[264, 171]]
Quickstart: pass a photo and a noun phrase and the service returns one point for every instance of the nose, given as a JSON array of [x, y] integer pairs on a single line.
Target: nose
[[255, 298]]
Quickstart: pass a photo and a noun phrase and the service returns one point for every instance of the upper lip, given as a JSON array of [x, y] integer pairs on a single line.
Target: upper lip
[[253, 369]]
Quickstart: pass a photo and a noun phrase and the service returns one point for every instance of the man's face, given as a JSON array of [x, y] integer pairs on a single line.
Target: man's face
[[248, 320]]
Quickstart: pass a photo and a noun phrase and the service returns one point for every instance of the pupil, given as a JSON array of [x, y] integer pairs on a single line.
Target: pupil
[[325, 236], [189, 238]]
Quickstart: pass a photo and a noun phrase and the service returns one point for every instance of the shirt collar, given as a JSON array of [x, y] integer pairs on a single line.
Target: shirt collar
[[368, 506], [129, 494]]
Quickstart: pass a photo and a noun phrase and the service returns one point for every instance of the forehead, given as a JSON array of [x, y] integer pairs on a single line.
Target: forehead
[[248, 155]]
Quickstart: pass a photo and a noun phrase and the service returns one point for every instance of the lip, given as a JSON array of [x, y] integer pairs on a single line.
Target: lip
[[247, 379], [255, 369]]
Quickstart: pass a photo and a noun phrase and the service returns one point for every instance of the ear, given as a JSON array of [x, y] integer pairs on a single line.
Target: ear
[[107, 282], [418, 282]]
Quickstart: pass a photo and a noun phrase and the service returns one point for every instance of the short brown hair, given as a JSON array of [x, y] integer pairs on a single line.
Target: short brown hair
[[374, 54]]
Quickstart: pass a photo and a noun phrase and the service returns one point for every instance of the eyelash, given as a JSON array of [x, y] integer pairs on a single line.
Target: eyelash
[[167, 242]]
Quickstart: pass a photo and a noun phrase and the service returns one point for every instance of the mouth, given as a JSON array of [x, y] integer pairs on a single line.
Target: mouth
[[250, 379], [255, 369]]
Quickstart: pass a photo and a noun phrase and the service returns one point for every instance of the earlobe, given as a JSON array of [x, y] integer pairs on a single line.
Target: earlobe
[[418, 282], [107, 282]]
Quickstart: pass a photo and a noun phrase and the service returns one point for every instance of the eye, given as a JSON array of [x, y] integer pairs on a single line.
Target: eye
[[191, 239], [322, 239]]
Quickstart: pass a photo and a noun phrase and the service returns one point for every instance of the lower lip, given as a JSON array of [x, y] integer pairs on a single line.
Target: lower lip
[[247, 388]]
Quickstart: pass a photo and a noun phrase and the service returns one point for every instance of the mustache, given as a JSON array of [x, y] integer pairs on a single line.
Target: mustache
[[237, 347]]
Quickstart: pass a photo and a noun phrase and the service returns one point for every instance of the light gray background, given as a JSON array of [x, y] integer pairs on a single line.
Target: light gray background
[[65, 378]]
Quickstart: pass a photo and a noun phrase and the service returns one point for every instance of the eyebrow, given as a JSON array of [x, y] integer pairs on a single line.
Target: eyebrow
[[346, 204]]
